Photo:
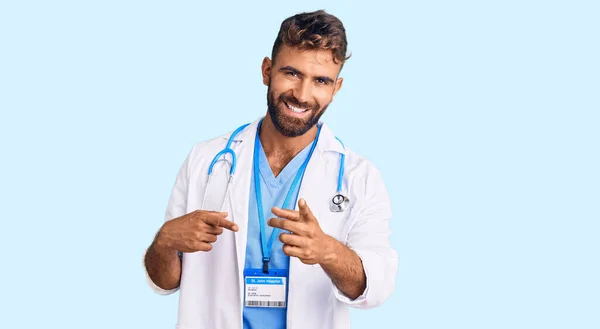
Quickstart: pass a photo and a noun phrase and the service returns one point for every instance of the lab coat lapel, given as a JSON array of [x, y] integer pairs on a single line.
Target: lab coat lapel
[[240, 195], [311, 191], [309, 187]]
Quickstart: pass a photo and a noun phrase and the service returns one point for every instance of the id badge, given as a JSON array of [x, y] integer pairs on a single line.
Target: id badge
[[265, 290]]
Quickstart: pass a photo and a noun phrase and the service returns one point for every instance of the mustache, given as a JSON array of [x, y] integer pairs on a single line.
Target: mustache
[[291, 100]]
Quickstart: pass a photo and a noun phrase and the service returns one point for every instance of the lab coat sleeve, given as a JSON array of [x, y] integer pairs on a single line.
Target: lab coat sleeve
[[369, 237], [176, 207]]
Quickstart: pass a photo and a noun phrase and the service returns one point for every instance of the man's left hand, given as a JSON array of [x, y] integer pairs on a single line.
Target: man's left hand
[[307, 242]]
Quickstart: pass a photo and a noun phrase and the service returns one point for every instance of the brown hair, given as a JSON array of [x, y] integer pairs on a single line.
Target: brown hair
[[314, 30]]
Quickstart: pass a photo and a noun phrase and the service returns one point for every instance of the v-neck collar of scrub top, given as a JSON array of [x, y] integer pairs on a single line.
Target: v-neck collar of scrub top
[[289, 171]]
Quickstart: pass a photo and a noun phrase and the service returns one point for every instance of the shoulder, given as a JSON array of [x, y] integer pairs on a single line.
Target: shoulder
[[359, 168], [366, 185], [203, 152], [209, 146], [212, 146]]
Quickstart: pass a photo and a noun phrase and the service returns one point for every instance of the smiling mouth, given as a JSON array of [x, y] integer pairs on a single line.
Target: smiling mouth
[[295, 109]]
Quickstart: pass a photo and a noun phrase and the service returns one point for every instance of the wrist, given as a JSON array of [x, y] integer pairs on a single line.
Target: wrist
[[161, 242], [331, 251]]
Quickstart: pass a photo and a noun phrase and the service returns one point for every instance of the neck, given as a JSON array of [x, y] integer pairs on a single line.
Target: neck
[[274, 142]]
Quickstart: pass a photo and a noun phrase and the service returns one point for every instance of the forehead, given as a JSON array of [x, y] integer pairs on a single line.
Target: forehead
[[308, 61]]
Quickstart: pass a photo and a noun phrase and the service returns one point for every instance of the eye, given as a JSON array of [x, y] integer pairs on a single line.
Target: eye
[[291, 73], [321, 81]]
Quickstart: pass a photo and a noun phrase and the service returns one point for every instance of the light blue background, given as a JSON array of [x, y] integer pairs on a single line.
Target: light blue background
[[483, 117]]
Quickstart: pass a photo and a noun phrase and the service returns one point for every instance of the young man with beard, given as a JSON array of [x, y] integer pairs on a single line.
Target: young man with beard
[[238, 249]]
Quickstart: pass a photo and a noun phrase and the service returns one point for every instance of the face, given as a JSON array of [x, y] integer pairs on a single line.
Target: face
[[301, 84]]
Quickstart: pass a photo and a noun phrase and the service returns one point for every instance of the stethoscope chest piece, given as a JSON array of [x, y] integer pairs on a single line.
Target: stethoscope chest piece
[[339, 203]]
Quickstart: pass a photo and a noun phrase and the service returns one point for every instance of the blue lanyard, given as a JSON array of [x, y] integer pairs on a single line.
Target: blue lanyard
[[266, 247]]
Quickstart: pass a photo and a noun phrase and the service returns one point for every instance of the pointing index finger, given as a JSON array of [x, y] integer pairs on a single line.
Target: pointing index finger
[[305, 211], [218, 220], [286, 213]]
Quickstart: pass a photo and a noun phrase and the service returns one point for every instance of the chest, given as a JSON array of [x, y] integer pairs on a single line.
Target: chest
[[278, 161]]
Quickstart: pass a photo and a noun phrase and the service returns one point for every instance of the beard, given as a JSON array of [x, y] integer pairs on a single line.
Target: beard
[[287, 125]]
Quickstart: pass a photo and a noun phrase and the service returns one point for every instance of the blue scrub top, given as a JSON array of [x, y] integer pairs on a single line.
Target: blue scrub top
[[274, 191]]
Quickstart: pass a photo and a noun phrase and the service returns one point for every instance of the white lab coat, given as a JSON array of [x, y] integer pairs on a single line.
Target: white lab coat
[[212, 286]]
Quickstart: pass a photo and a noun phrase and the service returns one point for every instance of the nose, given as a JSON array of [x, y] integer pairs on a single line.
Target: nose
[[303, 91]]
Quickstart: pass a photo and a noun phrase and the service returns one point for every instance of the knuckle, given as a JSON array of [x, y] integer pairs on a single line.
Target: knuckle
[[195, 246]]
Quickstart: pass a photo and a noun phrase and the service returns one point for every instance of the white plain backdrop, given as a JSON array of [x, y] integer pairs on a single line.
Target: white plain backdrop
[[482, 116]]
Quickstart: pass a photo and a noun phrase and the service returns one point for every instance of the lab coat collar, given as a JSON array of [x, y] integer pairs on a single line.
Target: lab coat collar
[[327, 141]]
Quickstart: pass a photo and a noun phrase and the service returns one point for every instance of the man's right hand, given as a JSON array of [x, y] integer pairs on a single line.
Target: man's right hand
[[194, 231]]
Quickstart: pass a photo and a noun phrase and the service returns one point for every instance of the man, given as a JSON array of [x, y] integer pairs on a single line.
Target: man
[[240, 254]]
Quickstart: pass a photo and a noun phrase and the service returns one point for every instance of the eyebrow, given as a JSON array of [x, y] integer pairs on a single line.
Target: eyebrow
[[291, 69]]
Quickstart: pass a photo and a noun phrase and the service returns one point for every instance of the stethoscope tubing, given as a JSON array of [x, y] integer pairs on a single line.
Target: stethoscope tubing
[[230, 151]]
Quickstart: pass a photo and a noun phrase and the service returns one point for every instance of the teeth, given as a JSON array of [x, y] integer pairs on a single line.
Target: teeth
[[296, 109]]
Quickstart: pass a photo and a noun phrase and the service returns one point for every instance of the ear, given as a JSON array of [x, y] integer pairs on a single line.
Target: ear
[[338, 85], [266, 71]]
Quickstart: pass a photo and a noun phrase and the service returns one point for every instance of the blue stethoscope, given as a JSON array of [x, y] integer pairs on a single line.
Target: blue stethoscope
[[338, 203]]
